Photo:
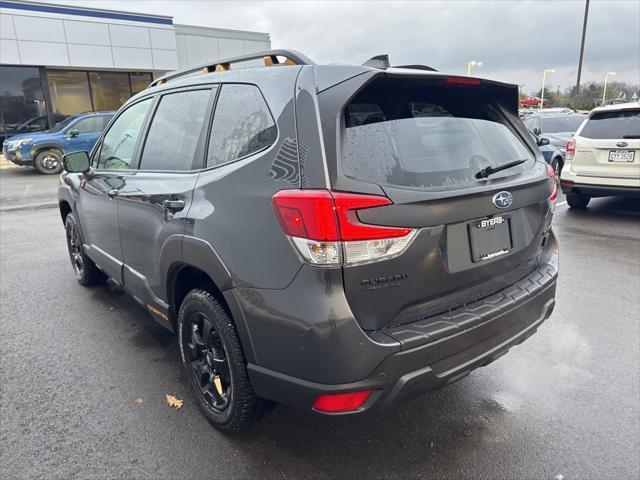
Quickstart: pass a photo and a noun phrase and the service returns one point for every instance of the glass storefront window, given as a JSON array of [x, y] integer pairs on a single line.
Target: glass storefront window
[[69, 92], [22, 105], [109, 90], [139, 82]]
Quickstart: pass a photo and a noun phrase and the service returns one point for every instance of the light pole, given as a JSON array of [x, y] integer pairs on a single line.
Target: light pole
[[472, 64], [606, 78], [544, 78]]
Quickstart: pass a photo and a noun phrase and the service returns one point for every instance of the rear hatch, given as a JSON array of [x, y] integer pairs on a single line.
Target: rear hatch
[[608, 145], [420, 140]]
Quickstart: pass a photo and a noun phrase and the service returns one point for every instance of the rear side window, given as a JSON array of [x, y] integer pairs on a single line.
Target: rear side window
[[175, 131], [427, 136], [242, 125], [612, 125]]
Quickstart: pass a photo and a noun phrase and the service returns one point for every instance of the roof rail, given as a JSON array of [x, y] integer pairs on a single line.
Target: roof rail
[[417, 67], [270, 58]]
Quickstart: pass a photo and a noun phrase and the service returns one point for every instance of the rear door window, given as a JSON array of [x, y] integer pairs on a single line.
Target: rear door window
[[430, 138], [175, 131], [242, 125], [613, 125]]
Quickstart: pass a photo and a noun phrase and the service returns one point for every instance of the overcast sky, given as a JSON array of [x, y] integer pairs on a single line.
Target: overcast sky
[[514, 39]]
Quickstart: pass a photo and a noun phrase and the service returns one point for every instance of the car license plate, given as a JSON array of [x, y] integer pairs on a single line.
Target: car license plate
[[625, 156], [490, 238]]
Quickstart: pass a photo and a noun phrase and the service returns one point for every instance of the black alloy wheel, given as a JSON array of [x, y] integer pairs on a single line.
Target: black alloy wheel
[[207, 361]]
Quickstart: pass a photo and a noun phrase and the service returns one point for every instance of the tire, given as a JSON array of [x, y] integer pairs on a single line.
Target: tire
[[556, 164], [577, 200], [49, 161], [86, 271], [210, 348]]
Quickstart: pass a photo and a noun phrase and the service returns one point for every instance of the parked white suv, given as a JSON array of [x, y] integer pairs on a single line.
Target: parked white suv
[[603, 157]]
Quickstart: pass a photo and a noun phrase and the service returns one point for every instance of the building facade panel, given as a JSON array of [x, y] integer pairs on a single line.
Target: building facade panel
[[6, 27], [9, 52], [31, 53], [130, 58], [39, 29], [87, 33], [129, 36], [162, 38], [92, 56]]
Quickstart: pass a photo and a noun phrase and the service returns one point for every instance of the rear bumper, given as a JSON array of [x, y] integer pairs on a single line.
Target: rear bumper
[[435, 351], [599, 190]]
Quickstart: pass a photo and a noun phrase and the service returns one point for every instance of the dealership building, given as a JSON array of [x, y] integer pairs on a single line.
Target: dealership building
[[57, 60]]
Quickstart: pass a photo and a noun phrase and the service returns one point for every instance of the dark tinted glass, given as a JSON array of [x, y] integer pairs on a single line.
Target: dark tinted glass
[[175, 131], [242, 125], [613, 125], [21, 100], [120, 141], [405, 134], [88, 125], [109, 90], [562, 123]]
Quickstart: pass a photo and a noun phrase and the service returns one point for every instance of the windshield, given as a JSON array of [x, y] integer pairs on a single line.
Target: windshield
[[427, 138], [558, 124], [61, 125], [621, 124]]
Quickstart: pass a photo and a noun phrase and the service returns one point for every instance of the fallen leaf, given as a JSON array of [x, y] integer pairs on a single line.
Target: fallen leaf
[[139, 401], [559, 477], [173, 401]]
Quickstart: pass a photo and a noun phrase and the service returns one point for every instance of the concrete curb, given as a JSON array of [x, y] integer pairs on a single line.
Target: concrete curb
[[32, 206]]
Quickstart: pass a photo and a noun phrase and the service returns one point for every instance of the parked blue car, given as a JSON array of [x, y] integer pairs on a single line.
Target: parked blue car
[[44, 150]]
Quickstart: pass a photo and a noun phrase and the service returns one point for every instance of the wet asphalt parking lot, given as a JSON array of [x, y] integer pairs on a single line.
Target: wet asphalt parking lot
[[74, 360]]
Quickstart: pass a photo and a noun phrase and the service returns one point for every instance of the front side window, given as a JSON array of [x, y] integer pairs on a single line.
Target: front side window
[[119, 142], [175, 131], [434, 138], [88, 125], [242, 125]]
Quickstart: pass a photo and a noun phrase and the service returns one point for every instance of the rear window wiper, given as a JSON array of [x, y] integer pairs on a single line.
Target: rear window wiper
[[631, 136], [485, 172]]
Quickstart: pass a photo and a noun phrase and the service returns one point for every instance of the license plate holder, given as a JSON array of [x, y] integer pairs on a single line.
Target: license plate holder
[[622, 156], [490, 237]]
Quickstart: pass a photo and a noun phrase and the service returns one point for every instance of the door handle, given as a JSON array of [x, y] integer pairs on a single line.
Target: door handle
[[173, 205], [113, 192]]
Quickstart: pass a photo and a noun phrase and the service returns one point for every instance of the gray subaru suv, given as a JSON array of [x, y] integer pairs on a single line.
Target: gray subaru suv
[[333, 237]]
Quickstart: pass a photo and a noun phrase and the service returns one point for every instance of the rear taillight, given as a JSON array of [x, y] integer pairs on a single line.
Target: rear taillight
[[554, 187], [325, 228], [341, 402], [570, 149]]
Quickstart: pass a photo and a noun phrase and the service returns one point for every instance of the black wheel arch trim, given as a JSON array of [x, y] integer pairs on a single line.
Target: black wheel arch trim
[[36, 149]]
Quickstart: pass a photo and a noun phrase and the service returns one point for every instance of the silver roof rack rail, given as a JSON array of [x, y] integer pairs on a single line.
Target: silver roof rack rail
[[270, 58]]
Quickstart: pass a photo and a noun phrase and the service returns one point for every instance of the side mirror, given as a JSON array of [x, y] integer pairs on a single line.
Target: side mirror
[[543, 141], [74, 133], [76, 162]]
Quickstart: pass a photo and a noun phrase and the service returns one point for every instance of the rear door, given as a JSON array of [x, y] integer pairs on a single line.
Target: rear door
[[421, 142], [155, 198], [608, 145]]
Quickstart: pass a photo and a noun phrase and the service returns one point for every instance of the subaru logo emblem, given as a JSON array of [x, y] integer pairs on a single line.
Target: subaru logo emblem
[[622, 144], [503, 199]]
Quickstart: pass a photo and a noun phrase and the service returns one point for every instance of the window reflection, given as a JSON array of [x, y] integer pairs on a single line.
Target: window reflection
[[109, 90], [69, 92], [22, 107]]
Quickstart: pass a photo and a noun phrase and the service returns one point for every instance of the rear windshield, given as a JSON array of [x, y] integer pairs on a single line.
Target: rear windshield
[[569, 123], [427, 136], [612, 125]]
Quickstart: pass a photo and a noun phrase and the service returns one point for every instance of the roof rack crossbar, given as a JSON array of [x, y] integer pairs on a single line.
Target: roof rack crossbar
[[270, 57]]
